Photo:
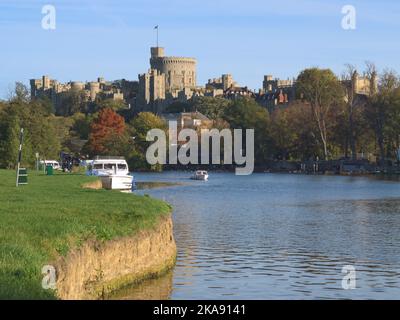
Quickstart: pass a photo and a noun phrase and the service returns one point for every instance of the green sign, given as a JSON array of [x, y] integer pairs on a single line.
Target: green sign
[[22, 176]]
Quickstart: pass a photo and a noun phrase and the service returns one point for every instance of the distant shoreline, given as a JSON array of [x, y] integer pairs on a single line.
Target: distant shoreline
[[289, 168], [145, 185]]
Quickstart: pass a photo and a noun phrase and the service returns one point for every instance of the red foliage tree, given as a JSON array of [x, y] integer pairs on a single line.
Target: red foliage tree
[[107, 126]]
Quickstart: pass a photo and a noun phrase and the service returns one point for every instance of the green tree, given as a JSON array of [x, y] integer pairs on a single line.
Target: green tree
[[245, 113], [9, 142], [81, 125], [20, 93], [44, 138], [292, 132], [178, 107], [43, 104], [382, 113], [354, 103], [140, 125], [393, 125], [211, 107], [323, 91], [39, 132], [283, 133], [108, 103], [72, 101], [119, 145]]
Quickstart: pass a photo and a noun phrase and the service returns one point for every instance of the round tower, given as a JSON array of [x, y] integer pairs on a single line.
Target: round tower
[[180, 73]]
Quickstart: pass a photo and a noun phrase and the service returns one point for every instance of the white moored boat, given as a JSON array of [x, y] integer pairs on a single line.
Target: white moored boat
[[117, 182], [200, 175], [113, 172]]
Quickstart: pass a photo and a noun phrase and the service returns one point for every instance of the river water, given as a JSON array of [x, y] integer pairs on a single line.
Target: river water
[[278, 236]]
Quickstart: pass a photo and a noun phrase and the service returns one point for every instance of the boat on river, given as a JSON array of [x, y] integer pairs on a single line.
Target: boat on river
[[113, 172], [200, 175], [117, 182]]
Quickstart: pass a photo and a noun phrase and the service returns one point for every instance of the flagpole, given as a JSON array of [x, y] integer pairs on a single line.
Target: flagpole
[[156, 27]]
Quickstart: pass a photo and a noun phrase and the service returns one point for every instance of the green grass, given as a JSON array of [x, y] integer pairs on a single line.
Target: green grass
[[51, 215]]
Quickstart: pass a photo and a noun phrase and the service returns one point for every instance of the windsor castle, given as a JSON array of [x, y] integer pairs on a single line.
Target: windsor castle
[[168, 80]]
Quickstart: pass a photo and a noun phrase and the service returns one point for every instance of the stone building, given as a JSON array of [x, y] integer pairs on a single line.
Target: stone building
[[180, 73], [280, 93], [276, 92], [223, 83], [270, 84], [55, 91], [168, 79], [189, 120], [48, 87], [227, 88], [361, 85], [151, 94], [234, 93]]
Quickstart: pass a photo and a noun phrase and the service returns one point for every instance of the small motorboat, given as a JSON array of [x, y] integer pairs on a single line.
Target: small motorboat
[[200, 175]]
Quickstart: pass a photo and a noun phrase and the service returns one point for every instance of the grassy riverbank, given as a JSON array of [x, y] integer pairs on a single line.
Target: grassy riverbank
[[51, 215]]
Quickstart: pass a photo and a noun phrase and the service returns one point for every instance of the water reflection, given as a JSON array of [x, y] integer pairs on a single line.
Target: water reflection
[[153, 289], [270, 236]]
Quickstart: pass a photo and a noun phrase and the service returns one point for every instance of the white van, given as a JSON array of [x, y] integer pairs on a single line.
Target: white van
[[55, 164]]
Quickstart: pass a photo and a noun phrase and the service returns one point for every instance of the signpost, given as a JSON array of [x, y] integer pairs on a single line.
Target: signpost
[[37, 161], [22, 173]]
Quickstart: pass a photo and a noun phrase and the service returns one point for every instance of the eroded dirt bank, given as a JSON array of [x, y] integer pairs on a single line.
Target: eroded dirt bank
[[96, 269]]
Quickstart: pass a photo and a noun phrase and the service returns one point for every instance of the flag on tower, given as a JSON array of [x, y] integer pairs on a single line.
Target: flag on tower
[[156, 28]]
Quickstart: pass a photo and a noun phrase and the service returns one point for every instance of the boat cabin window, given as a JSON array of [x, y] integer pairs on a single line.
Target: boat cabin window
[[109, 166]]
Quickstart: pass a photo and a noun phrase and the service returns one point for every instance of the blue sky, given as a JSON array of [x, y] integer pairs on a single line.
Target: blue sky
[[246, 38]]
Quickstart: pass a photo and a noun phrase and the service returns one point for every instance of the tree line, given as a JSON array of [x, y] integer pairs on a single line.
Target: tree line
[[330, 118]]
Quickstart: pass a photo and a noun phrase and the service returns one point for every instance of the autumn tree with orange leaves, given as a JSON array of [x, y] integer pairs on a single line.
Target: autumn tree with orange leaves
[[108, 134]]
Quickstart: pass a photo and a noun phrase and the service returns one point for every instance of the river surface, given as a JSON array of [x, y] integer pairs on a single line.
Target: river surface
[[278, 236]]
